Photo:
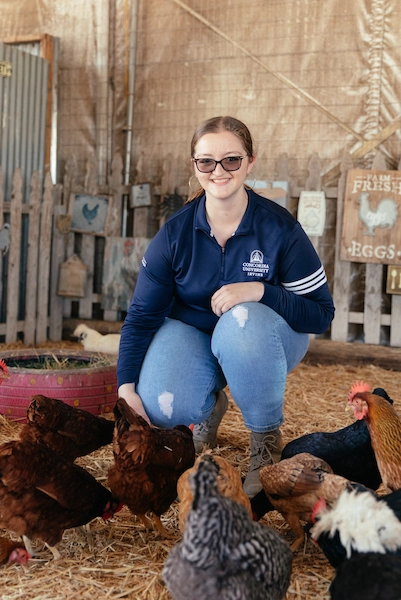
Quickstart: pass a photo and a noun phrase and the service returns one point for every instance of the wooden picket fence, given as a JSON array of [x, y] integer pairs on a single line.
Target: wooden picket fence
[[32, 310]]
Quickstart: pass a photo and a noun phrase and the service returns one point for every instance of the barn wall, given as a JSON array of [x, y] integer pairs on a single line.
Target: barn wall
[[343, 54]]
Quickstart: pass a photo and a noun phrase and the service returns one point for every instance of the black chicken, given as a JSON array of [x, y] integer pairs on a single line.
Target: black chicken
[[224, 554]]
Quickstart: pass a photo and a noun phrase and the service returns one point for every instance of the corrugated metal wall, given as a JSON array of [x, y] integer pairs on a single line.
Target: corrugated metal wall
[[23, 102]]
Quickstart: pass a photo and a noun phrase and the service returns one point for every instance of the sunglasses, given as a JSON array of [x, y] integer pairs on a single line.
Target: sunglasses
[[207, 165]]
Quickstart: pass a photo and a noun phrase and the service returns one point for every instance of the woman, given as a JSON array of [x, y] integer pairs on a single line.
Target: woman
[[228, 291]]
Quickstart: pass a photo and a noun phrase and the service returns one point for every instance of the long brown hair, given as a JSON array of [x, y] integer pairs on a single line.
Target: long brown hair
[[215, 125]]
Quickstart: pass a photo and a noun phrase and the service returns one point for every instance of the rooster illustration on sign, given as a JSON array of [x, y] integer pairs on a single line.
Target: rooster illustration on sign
[[385, 214], [90, 214]]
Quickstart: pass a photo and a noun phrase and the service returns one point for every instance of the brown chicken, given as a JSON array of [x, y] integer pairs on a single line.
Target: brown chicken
[[229, 484], [69, 431], [295, 484], [13, 552], [41, 494], [384, 425], [148, 463]]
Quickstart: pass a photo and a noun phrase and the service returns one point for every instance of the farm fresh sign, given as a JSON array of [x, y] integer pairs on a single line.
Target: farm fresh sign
[[371, 231]]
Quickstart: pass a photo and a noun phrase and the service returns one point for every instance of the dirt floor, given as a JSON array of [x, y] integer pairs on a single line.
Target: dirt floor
[[119, 560]]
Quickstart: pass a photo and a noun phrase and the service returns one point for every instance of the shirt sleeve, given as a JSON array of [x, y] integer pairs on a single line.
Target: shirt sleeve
[[302, 296]]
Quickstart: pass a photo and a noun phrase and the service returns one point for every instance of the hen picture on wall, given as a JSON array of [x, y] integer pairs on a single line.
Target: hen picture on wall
[[371, 230], [89, 214]]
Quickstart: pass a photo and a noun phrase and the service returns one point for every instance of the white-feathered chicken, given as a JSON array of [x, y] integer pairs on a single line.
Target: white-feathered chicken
[[224, 554], [360, 535], [93, 341]]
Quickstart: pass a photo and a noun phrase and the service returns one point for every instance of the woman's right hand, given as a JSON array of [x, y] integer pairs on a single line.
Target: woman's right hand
[[127, 391]]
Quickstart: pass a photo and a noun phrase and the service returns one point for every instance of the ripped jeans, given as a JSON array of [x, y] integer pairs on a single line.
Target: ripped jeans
[[252, 349]]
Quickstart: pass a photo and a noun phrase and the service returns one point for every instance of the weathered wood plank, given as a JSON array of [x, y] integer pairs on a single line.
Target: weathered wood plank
[[395, 324], [372, 304], [14, 258], [32, 260], [88, 258], [46, 222], [57, 258], [342, 269]]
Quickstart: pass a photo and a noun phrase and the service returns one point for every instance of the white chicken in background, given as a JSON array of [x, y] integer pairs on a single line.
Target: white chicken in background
[[385, 214], [93, 341]]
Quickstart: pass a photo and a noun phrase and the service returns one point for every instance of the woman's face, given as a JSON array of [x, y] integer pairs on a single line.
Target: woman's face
[[219, 183]]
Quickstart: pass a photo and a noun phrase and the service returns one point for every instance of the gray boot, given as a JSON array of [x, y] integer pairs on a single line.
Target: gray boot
[[265, 450], [205, 433]]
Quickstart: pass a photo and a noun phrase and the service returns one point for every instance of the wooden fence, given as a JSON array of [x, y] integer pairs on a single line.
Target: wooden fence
[[32, 310]]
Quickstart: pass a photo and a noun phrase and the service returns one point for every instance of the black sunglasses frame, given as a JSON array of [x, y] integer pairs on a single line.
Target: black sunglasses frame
[[219, 162]]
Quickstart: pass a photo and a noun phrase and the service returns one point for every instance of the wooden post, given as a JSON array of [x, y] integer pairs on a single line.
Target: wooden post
[[14, 258], [44, 260], [32, 263]]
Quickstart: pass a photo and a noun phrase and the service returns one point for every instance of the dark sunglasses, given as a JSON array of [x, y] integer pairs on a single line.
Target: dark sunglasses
[[207, 165]]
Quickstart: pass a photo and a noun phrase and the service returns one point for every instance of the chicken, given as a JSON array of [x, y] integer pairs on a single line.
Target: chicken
[[41, 494], [223, 553], [147, 464], [361, 526], [13, 552], [229, 484], [69, 431], [348, 452], [294, 485], [4, 374], [385, 214], [93, 341], [384, 426]]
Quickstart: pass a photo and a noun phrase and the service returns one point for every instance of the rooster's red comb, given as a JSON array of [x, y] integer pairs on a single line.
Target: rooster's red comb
[[3, 366], [358, 386]]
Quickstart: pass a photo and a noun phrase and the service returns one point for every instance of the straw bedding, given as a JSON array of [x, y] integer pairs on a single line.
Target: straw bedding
[[118, 560]]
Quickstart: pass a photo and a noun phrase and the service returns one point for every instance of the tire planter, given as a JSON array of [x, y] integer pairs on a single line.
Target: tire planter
[[91, 387]]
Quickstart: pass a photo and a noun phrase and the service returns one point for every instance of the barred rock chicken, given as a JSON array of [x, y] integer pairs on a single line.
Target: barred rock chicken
[[41, 494], [94, 341], [360, 535], [147, 464], [223, 553], [69, 431], [229, 484], [13, 552], [4, 374], [293, 485], [384, 426]]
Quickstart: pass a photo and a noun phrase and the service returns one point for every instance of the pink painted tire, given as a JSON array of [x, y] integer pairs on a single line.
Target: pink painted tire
[[92, 388]]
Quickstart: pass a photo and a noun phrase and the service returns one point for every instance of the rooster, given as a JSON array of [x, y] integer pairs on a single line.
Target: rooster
[[385, 215], [93, 341], [223, 553], [69, 431], [293, 485], [384, 427], [41, 494], [147, 464], [13, 552]]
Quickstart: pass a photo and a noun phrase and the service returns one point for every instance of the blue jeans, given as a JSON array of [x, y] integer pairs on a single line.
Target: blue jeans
[[252, 349]]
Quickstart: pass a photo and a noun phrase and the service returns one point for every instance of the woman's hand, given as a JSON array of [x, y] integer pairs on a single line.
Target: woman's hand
[[234, 293], [127, 391]]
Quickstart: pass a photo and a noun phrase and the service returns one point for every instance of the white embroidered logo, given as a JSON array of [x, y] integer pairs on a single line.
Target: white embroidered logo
[[256, 267]]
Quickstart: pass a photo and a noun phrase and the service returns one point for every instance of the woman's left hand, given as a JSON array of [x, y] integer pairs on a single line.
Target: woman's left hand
[[234, 293]]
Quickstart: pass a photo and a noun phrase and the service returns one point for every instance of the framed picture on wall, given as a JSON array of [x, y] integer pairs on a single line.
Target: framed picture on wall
[[89, 214]]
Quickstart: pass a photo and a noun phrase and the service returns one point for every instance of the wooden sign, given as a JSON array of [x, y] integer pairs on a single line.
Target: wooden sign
[[312, 212], [393, 283], [371, 230]]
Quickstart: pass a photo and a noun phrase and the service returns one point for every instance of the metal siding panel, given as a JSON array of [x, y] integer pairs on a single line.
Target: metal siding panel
[[24, 124], [42, 101], [5, 155], [19, 61], [30, 131]]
